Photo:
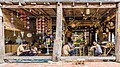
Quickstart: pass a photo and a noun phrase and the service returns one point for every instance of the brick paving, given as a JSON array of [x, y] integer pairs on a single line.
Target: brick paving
[[87, 64]]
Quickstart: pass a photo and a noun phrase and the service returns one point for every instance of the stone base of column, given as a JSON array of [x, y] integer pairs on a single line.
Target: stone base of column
[[57, 49], [1, 60], [118, 57]]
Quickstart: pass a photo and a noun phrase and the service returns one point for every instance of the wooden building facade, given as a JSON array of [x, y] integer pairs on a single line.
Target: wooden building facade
[[59, 6]]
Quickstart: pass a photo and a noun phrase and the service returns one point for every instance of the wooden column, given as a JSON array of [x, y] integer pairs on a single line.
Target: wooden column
[[117, 32], [2, 45], [58, 40]]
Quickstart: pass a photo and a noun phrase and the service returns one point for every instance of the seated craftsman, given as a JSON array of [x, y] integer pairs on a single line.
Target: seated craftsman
[[66, 49], [72, 48], [34, 51], [21, 51], [97, 48]]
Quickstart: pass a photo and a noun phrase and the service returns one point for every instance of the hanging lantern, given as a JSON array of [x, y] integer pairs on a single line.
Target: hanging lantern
[[107, 30], [108, 18], [111, 24], [22, 34], [87, 11]]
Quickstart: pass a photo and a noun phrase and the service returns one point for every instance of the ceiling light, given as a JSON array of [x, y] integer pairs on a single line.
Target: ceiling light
[[100, 3], [48, 3], [87, 11], [44, 2], [87, 4], [20, 4], [73, 4]]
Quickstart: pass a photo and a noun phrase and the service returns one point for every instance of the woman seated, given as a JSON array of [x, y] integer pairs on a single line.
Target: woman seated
[[97, 47], [66, 49]]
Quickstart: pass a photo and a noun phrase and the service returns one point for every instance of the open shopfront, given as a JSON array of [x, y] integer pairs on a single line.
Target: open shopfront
[[49, 25]]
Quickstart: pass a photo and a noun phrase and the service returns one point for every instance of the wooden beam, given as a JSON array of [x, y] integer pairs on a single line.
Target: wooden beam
[[58, 41], [29, 12], [64, 6], [91, 6], [29, 6], [32, 10], [93, 1], [96, 12], [111, 17], [54, 10], [106, 12], [45, 12]]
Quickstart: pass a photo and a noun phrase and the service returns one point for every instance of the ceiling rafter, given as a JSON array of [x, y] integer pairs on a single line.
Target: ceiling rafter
[[45, 12], [32, 10], [29, 12]]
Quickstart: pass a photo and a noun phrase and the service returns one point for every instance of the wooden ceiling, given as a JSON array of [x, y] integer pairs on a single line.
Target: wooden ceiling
[[96, 14], [67, 12]]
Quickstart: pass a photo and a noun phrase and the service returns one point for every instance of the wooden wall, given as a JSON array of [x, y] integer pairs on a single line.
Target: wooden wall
[[18, 25]]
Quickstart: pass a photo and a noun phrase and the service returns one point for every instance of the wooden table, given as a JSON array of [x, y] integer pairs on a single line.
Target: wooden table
[[105, 49]]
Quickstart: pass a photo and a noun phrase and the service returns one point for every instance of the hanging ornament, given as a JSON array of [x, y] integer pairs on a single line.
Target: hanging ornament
[[22, 34], [12, 25], [17, 15], [28, 18], [28, 22], [108, 18], [28, 27], [29, 34], [14, 33], [11, 19]]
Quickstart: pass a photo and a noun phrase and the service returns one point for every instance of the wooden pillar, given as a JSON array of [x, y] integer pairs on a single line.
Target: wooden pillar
[[58, 39], [117, 32], [2, 45]]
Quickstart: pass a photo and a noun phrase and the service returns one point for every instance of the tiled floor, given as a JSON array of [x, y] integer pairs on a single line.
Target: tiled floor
[[87, 64]]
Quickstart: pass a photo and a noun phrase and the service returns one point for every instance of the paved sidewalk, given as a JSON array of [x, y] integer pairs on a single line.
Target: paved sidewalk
[[87, 64]]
